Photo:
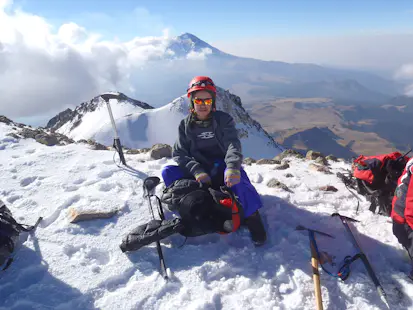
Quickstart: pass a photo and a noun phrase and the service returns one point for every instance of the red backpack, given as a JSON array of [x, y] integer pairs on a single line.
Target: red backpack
[[374, 169]]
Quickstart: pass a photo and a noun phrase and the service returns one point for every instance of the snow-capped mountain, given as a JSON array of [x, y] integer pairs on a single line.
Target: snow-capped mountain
[[144, 127], [84, 121], [188, 43], [253, 78]]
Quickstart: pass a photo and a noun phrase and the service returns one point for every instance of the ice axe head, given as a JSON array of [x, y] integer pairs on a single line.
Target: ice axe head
[[345, 217], [300, 227], [107, 96]]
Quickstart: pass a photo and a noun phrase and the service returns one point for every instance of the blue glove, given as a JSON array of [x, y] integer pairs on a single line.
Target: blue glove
[[232, 177], [203, 177]]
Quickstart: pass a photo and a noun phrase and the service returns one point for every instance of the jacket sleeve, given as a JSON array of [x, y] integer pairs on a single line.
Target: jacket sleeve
[[408, 213], [180, 152], [232, 144]]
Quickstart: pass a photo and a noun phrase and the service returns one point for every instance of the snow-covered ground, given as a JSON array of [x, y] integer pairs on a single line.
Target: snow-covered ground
[[80, 266]]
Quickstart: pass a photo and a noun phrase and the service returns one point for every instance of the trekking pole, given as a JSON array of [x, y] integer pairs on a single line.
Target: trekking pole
[[363, 257], [116, 142], [149, 185], [314, 263]]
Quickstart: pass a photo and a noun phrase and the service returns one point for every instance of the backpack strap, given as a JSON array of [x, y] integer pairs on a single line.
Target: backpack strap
[[235, 206]]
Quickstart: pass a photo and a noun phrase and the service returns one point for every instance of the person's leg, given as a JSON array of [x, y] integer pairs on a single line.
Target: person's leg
[[247, 195], [251, 202], [172, 173], [405, 237], [404, 234]]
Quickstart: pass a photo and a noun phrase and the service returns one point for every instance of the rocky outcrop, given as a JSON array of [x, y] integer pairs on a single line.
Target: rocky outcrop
[[159, 151], [288, 153]]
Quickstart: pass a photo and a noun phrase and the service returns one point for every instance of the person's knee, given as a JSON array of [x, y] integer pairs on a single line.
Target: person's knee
[[170, 174]]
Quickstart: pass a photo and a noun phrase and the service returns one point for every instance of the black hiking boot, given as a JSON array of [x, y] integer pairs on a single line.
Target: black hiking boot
[[256, 228]]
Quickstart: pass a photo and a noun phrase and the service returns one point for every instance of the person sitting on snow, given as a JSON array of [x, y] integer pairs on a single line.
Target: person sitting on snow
[[208, 149], [402, 211]]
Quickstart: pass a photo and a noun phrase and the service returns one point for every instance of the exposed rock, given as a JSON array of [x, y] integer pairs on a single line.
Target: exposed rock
[[282, 167], [13, 135], [320, 168], [159, 151], [30, 133], [84, 215], [49, 140], [289, 175], [274, 183], [97, 146], [288, 153], [322, 161], [328, 188], [63, 140], [265, 161], [332, 158], [248, 161], [5, 120], [133, 151], [312, 155], [62, 118]]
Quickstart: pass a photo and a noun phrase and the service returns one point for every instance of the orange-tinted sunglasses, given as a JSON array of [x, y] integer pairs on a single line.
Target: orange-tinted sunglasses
[[198, 101]]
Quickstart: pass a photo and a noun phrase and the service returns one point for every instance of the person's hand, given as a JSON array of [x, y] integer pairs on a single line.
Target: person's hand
[[232, 177], [203, 177]]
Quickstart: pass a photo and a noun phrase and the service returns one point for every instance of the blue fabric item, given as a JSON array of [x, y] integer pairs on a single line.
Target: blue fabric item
[[244, 190]]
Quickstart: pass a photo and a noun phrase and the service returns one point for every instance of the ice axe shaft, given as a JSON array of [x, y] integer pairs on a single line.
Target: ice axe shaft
[[315, 263], [369, 268]]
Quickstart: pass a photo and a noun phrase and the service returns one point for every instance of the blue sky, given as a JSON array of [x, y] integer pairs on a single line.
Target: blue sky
[[227, 19]]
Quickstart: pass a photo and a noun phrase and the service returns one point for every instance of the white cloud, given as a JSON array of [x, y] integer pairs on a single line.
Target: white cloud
[[43, 71], [5, 3], [405, 73], [199, 55]]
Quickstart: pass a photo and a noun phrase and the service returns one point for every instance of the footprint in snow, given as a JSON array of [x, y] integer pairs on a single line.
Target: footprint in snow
[[79, 181], [105, 174], [55, 215], [108, 162], [106, 187], [13, 198], [87, 256], [92, 166], [27, 181], [31, 151], [90, 182], [70, 188]]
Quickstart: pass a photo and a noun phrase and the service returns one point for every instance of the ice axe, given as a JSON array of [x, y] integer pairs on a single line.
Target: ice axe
[[116, 142], [315, 262]]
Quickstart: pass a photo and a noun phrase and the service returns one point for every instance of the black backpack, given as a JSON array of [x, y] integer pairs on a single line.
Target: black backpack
[[202, 211], [9, 233]]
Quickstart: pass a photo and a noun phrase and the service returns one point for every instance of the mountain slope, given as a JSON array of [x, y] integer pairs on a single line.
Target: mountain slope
[[86, 118], [146, 127], [80, 266]]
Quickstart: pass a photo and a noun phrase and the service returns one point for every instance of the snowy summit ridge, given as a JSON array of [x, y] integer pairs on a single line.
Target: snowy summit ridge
[[141, 126]]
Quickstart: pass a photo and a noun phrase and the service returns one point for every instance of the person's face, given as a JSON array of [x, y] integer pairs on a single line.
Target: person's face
[[202, 110]]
